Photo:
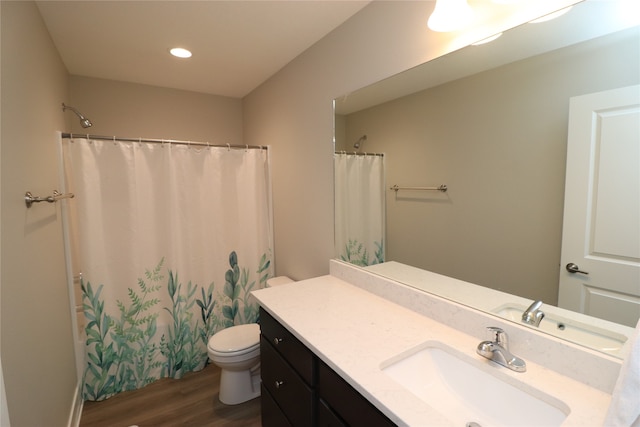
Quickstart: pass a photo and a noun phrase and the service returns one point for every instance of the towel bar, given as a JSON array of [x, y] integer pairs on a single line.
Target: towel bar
[[442, 188], [30, 199]]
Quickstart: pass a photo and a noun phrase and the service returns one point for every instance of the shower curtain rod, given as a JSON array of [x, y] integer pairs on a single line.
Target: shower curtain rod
[[160, 141], [359, 154]]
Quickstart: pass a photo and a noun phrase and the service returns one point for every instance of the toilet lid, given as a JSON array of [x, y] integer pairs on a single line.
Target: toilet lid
[[235, 338]]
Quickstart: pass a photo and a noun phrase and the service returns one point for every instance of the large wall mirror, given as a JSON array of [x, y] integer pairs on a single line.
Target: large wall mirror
[[491, 123]]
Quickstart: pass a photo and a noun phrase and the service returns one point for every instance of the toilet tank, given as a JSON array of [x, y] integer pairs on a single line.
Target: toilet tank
[[279, 280]]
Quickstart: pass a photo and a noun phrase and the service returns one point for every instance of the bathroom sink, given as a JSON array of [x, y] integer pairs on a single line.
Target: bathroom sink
[[467, 390], [583, 333]]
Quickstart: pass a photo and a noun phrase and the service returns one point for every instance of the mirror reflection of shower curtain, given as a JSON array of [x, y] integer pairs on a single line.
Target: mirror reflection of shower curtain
[[359, 208], [171, 239]]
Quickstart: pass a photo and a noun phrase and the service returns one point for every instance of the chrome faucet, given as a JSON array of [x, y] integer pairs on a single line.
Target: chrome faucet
[[498, 351], [533, 315]]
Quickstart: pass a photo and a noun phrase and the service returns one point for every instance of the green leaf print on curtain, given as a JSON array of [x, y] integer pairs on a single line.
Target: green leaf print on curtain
[[356, 253], [125, 351], [237, 289], [180, 347]]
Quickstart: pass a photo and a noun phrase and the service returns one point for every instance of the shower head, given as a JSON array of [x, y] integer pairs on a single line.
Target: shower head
[[359, 142], [84, 122]]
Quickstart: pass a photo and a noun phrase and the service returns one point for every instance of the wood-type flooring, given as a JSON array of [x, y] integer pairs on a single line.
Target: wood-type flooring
[[189, 401]]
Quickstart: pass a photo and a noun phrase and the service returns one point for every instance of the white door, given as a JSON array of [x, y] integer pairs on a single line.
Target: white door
[[601, 228]]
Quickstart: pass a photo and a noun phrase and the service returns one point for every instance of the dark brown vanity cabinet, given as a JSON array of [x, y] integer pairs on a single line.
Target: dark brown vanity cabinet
[[342, 405], [300, 390], [289, 377]]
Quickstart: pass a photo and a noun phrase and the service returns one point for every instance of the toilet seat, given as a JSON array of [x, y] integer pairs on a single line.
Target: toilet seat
[[235, 340]]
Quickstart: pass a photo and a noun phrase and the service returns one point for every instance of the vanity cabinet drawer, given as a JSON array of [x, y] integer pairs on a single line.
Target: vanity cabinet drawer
[[346, 402], [296, 353], [294, 397]]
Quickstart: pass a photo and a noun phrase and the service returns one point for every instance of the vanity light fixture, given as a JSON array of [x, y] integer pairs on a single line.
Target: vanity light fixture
[[450, 15], [551, 16], [180, 52]]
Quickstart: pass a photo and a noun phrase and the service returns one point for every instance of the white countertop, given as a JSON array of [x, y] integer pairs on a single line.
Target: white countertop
[[354, 331]]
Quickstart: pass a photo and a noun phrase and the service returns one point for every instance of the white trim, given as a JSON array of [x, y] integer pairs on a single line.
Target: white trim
[[4, 409], [270, 212], [66, 236], [76, 408]]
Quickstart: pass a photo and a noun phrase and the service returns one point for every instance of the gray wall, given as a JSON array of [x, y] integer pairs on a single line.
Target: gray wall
[[37, 345], [293, 111], [135, 110]]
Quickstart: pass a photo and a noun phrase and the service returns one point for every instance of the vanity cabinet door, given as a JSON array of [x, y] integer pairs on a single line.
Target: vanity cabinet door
[[291, 394], [328, 418], [271, 413], [291, 349], [346, 402]]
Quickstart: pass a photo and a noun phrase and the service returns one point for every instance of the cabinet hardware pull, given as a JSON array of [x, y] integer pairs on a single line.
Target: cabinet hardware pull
[[277, 341], [279, 383]]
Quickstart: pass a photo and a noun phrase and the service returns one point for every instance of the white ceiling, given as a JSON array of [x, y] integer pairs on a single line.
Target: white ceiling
[[236, 45]]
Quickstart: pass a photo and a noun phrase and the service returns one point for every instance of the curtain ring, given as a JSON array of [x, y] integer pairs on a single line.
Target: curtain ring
[[228, 147]]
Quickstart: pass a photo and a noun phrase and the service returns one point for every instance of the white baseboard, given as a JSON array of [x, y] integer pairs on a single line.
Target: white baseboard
[[76, 408], [4, 409]]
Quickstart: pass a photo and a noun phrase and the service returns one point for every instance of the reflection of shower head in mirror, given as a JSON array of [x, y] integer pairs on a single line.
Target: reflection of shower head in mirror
[[359, 142]]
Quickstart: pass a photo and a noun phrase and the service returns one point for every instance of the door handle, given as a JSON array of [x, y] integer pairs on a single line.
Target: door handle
[[573, 268]]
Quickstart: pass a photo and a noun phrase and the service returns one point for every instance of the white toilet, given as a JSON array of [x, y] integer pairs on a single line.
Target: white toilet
[[236, 350]]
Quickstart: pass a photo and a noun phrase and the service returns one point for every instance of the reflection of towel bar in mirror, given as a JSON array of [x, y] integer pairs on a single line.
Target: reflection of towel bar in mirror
[[442, 188], [30, 199]]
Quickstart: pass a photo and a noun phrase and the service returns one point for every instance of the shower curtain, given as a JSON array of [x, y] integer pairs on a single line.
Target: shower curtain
[[359, 208], [170, 241]]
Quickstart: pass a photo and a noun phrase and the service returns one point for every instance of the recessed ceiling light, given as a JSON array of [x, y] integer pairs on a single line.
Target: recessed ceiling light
[[180, 52]]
